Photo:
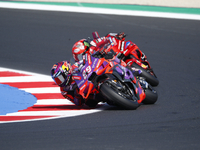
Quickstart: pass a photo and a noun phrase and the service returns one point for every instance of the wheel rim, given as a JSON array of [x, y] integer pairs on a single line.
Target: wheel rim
[[125, 93]]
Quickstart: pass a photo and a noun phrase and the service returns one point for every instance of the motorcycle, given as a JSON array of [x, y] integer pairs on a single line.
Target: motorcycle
[[132, 55], [116, 83]]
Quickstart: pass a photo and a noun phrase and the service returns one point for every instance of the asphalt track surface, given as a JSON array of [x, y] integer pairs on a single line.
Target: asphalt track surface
[[35, 40]]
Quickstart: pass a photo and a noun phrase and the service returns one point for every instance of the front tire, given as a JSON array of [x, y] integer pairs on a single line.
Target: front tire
[[118, 98], [148, 77]]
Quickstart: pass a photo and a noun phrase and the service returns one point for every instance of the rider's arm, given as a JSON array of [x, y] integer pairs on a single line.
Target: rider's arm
[[98, 43]]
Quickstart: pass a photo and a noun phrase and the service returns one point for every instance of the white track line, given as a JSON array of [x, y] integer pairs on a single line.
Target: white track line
[[98, 10], [25, 79], [53, 102], [67, 113], [42, 90], [21, 71]]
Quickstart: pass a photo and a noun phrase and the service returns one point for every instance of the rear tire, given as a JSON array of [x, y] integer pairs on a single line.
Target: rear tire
[[151, 96], [117, 99]]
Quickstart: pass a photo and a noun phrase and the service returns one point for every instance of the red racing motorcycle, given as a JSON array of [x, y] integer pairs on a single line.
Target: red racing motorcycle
[[131, 54]]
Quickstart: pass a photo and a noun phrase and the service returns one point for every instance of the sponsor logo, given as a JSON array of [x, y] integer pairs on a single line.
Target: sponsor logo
[[93, 43], [94, 63], [81, 88], [98, 63], [99, 39], [77, 77], [79, 84], [114, 41], [125, 51], [111, 41], [122, 47]]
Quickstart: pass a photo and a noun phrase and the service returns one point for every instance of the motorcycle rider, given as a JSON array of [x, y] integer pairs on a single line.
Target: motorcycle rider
[[62, 74], [112, 39], [94, 46]]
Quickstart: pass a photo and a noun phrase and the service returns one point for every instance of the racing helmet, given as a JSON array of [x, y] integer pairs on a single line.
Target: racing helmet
[[79, 48], [61, 73]]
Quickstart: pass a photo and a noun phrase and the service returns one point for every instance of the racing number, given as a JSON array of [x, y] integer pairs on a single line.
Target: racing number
[[86, 72]]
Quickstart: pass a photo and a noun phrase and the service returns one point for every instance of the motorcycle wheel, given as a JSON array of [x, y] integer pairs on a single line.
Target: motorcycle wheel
[[151, 96], [118, 98], [148, 77]]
